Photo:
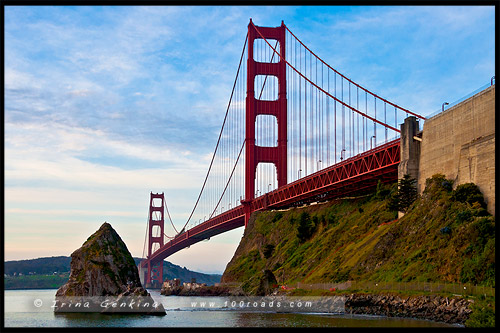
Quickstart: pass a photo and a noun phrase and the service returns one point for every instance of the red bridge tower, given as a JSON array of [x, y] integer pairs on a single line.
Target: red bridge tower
[[154, 276], [278, 108]]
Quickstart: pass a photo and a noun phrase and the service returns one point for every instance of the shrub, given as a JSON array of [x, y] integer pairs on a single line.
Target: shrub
[[482, 316], [268, 251], [277, 216], [382, 191], [438, 182], [463, 216], [485, 229], [330, 218], [470, 193]]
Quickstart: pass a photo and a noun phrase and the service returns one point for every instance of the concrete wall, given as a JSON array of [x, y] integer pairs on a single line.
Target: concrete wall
[[410, 149], [460, 143]]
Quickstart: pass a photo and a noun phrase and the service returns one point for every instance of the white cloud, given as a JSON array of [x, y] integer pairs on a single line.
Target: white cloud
[[104, 106], [51, 151], [70, 212], [14, 79]]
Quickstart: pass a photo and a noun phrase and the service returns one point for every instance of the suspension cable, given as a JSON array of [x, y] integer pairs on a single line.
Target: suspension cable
[[333, 69], [317, 87], [166, 208], [241, 149], [220, 135], [145, 237], [229, 180]]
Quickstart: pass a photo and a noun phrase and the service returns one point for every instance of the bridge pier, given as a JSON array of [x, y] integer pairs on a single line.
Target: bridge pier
[[410, 150]]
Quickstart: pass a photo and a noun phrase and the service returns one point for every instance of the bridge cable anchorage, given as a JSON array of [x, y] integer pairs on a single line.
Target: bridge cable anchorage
[[343, 76], [322, 90], [220, 135]]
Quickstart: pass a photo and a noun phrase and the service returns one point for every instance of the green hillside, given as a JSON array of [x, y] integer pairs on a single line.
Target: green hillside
[[47, 265], [445, 236]]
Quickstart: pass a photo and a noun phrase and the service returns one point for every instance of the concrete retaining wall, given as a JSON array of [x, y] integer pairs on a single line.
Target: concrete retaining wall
[[460, 143]]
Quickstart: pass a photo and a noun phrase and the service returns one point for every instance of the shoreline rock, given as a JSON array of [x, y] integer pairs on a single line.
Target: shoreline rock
[[450, 310], [435, 308], [200, 291], [103, 270]]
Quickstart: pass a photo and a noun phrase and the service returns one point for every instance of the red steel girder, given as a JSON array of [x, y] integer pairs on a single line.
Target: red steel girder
[[354, 175]]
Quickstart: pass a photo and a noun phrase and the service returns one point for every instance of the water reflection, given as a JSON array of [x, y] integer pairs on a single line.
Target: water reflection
[[19, 311]]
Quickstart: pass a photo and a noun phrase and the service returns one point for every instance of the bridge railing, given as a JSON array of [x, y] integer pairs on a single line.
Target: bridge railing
[[461, 99]]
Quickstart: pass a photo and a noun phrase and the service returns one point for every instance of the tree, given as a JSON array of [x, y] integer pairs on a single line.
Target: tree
[[305, 228], [406, 195]]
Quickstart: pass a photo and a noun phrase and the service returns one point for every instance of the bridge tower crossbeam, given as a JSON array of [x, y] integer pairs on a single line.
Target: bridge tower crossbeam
[[278, 108], [156, 218]]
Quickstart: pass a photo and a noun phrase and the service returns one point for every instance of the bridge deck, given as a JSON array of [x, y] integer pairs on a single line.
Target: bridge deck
[[354, 175]]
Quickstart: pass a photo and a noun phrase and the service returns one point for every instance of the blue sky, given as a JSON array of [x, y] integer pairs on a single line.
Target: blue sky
[[105, 104]]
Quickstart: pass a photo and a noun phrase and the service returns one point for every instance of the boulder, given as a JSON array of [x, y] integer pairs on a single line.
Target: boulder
[[103, 269], [267, 283]]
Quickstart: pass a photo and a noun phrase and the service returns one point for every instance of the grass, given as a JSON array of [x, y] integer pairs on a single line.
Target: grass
[[439, 239]]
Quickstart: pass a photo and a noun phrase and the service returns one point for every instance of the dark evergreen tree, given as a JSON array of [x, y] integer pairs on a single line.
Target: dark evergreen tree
[[406, 195], [305, 228], [407, 192]]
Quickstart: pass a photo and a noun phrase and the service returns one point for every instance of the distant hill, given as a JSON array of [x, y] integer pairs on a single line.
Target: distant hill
[[44, 266], [33, 273], [171, 271]]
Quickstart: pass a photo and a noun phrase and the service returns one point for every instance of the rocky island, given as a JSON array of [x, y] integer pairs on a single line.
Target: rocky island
[[104, 278]]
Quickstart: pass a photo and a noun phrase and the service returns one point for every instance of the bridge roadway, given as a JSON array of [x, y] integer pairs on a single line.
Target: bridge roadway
[[354, 175]]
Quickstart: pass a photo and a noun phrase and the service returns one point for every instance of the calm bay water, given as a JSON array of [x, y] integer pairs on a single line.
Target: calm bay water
[[32, 308]]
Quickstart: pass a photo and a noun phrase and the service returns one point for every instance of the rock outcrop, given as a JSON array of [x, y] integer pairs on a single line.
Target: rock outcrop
[[104, 267], [174, 287], [267, 283], [436, 308]]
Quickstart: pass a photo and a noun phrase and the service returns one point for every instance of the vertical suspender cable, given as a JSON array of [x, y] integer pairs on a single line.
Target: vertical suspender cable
[[328, 121], [305, 113], [220, 135]]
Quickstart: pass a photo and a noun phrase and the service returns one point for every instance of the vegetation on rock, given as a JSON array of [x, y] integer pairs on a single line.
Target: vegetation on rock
[[445, 236], [102, 266]]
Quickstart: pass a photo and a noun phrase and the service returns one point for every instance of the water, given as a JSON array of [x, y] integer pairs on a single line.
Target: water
[[20, 311]]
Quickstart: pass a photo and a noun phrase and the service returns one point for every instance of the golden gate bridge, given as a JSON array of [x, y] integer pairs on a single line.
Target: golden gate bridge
[[295, 131]]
